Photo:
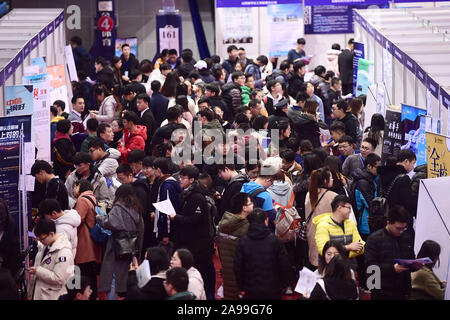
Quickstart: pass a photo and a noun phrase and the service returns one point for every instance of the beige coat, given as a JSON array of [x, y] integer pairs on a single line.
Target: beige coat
[[324, 206], [53, 270]]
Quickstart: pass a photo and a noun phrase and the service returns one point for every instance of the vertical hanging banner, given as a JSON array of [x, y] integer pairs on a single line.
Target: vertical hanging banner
[[392, 139], [358, 52], [105, 35], [286, 26], [169, 31], [58, 88], [412, 128], [9, 159], [438, 155]]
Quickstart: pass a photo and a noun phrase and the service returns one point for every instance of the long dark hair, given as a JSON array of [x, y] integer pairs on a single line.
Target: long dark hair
[[186, 257], [335, 165], [170, 85], [338, 268], [318, 179], [376, 126], [310, 162], [430, 249], [126, 195]]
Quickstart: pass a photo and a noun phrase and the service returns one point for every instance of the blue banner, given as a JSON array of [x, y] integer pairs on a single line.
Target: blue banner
[[342, 2], [9, 159], [105, 34], [358, 52], [412, 126], [254, 3]]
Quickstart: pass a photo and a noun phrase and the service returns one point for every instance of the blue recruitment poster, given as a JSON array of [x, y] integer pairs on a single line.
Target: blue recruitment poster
[[19, 100], [413, 132], [358, 52], [9, 159], [132, 42], [286, 26]]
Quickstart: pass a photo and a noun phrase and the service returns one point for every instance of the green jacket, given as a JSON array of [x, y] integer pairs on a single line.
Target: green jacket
[[85, 144], [231, 228], [245, 93], [426, 285]]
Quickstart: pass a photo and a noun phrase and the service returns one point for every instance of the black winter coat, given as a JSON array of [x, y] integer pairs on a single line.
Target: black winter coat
[[295, 82], [192, 225], [63, 152], [381, 250], [261, 264], [106, 77], [345, 63], [350, 125], [130, 65], [401, 193], [306, 128], [56, 189], [148, 120], [164, 133], [420, 173], [9, 247], [153, 290], [336, 289], [233, 188], [277, 115]]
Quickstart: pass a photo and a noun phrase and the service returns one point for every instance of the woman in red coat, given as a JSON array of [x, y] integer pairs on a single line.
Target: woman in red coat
[[134, 136]]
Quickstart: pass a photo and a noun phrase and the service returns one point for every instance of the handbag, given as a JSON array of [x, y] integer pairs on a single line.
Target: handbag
[[125, 243], [303, 229]]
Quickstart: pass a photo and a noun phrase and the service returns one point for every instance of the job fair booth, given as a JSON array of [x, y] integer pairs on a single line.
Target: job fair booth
[[410, 50], [33, 73]]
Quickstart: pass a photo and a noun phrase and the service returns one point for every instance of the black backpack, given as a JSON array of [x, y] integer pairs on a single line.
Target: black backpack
[[253, 197], [379, 208]]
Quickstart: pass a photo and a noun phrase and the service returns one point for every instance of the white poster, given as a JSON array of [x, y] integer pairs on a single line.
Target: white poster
[[169, 38], [387, 68], [381, 99], [237, 25], [71, 64], [286, 26], [41, 114]]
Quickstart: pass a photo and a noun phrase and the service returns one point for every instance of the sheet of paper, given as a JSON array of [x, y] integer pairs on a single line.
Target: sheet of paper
[[165, 207], [306, 282], [143, 274], [29, 156], [29, 182], [116, 183]]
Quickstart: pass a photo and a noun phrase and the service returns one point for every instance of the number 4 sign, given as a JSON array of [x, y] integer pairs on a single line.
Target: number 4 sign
[[169, 38]]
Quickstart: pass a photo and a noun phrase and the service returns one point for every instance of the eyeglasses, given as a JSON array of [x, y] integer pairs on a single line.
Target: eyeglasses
[[42, 239], [401, 229], [92, 150]]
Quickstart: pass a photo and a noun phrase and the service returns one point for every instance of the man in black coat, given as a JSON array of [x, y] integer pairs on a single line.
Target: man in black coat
[[186, 65], [340, 113], [400, 189], [295, 79], [193, 227], [158, 103], [261, 263], [345, 63], [164, 133], [146, 119], [280, 113], [105, 76], [382, 248], [129, 62], [54, 186], [235, 181]]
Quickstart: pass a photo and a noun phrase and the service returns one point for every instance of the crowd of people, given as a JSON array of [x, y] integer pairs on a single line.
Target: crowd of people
[[237, 146]]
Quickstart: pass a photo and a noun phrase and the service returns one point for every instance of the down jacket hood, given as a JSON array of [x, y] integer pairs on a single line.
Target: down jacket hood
[[141, 131], [280, 188], [360, 174], [70, 217], [332, 54], [231, 222], [113, 153], [258, 231]]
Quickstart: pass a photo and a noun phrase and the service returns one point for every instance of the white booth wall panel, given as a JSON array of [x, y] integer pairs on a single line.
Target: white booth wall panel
[[421, 94], [398, 79], [410, 88], [378, 63]]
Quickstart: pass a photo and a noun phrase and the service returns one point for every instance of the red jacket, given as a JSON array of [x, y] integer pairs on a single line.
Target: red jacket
[[135, 140]]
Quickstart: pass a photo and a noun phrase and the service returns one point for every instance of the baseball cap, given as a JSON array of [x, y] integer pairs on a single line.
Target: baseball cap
[[201, 65]]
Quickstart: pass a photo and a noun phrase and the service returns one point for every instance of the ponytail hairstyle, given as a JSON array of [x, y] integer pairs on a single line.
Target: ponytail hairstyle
[[320, 178], [282, 126]]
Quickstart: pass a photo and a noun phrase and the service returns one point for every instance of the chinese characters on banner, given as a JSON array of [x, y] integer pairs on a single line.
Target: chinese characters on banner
[[413, 132], [438, 155], [392, 140]]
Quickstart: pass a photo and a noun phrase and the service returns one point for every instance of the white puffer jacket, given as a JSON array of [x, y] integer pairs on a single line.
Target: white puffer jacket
[[332, 61], [68, 224]]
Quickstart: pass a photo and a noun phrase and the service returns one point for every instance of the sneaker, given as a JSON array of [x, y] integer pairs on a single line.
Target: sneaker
[[289, 291]]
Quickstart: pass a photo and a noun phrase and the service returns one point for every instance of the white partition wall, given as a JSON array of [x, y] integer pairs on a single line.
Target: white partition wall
[[27, 34], [410, 40]]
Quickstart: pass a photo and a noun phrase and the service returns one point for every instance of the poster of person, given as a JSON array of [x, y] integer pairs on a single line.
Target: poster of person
[[412, 127], [132, 42]]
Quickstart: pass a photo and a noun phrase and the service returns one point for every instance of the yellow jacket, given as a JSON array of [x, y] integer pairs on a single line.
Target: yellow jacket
[[327, 229], [57, 118]]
